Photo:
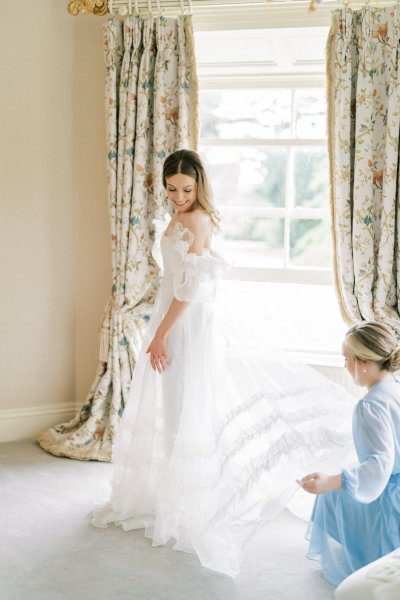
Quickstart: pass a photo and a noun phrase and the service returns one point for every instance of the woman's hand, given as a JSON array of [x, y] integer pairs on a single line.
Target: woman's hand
[[319, 483], [158, 352]]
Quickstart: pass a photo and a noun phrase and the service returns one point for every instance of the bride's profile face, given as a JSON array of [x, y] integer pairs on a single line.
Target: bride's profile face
[[181, 191]]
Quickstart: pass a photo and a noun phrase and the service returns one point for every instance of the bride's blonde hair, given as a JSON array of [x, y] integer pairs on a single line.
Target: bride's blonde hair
[[189, 163]]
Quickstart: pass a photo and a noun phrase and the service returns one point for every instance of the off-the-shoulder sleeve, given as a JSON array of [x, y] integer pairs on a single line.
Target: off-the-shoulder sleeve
[[196, 278], [374, 441]]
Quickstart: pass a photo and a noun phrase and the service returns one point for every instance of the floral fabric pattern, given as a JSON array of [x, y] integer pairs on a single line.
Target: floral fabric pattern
[[151, 110], [363, 68]]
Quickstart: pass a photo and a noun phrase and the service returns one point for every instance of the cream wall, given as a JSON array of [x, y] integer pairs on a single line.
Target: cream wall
[[55, 253], [55, 256], [93, 272]]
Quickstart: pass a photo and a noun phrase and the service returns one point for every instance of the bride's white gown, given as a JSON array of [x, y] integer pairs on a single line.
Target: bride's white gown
[[210, 449]]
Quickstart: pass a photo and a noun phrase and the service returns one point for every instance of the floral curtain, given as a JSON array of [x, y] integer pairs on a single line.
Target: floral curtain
[[363, 68], [151, 110]]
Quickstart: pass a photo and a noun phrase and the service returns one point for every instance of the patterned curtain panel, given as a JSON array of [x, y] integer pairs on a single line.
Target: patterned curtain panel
[[363, 68], [151, 110]]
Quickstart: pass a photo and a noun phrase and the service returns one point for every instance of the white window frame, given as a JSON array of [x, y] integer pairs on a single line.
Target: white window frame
[[213, 75], [285, 274]]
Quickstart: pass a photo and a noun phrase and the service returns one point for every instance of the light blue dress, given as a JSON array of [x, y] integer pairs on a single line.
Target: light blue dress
[[359, 523]]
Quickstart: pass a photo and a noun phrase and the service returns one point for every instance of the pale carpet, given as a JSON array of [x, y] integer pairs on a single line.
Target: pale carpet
[[50, 551]]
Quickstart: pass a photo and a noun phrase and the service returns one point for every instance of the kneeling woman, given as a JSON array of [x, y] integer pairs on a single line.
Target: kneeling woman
[[356, 519]]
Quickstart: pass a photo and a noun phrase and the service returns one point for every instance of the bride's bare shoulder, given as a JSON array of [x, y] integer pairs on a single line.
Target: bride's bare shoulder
[[197, 221]]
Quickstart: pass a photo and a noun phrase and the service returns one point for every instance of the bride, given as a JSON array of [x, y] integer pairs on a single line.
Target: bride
[[216, 429]]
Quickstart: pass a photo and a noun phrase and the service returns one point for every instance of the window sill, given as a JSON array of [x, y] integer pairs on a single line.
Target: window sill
[[323, 359]]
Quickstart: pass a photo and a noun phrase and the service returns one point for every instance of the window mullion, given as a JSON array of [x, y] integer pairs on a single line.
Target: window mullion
[[289, 196], [288, 205], [258, 214], [267, 142], [269, 212]]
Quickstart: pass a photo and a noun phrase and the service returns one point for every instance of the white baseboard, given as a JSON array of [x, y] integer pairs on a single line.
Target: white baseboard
[[21, 423]]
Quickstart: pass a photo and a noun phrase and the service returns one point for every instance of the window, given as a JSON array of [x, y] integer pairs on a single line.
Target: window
[[263, 139], [266, 153]]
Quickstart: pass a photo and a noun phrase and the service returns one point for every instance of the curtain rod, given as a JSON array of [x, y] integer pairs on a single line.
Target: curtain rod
[[123, 8], [167, 7]]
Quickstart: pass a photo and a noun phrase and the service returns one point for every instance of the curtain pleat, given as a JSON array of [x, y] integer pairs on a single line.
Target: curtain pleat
[[363, 70], [151, 110]]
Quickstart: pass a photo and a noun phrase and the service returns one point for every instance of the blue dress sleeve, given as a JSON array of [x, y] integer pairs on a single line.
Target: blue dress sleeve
[[374, 442]]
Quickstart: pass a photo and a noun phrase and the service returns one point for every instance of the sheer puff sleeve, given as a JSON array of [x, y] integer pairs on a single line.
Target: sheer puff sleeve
[[374, 441], [195, 278]]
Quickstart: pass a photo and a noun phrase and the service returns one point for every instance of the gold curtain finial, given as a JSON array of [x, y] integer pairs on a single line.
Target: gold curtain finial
[[96, 7]]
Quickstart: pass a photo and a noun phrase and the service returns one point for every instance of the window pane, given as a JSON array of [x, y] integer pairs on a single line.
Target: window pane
[[310, 113], [310, 243], [252, 241], [245, 113], [311, 177], [243, 176]]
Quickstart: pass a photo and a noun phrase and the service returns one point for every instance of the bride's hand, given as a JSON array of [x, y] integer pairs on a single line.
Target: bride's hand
[[158, 353]]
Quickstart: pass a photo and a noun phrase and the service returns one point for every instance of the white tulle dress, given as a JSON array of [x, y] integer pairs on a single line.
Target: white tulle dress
[[209, 450]]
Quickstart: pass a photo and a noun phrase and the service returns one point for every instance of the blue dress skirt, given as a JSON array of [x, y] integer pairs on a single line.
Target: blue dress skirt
[[360, 523]]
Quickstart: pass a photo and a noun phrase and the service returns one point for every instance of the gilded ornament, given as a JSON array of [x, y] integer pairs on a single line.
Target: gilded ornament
[[95, 7]]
